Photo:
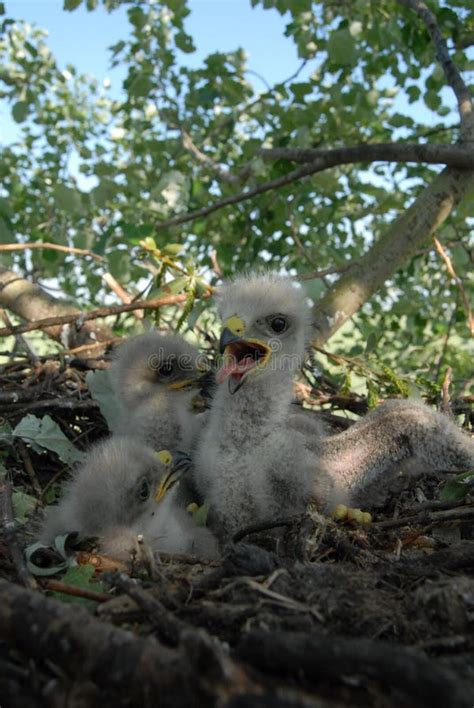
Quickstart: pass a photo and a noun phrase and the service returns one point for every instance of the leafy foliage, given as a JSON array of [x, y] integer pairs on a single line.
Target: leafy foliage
[[171, 140]]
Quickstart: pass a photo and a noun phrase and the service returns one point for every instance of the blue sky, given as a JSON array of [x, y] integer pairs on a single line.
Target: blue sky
[[81, 38]]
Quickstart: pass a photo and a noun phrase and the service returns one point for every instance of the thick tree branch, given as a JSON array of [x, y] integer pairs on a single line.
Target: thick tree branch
[[393, 250], [30, 302], [324, 159], [453, 76], [451, 155]]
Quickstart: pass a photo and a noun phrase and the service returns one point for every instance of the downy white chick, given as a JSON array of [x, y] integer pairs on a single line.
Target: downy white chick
[[255, 461], [155, 377], [123, 489], [248, 466]]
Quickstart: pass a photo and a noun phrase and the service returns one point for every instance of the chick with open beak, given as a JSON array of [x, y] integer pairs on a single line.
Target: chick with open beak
[[248, 466], [156, 378], [242, 356]]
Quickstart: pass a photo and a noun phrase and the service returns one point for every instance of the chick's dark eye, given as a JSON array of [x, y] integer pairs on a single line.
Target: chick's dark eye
[[278, 324], [144, 490], [165, 370]]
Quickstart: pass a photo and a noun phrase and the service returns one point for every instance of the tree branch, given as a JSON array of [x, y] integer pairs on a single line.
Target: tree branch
[[453, 76], [458, 281], [8, 247], [451, 155], [323, 159], [30, 302], [78, 318], [389, 253]]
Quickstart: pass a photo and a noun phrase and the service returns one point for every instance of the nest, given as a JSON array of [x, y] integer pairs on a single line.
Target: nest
[[303, 612]]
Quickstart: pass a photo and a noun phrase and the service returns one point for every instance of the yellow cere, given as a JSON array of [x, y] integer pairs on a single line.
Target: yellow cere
[[164, 456], [236, 325]]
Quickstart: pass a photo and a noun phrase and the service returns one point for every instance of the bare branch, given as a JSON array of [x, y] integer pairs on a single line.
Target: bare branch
[[323, 159], [120, 291], [8, 247], [79, 318], [451, 155], [458, 281], [9, 533], [204, 159], [400, 242], [453, 76]]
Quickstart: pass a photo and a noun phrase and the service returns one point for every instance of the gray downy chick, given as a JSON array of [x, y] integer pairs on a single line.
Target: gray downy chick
[[400, 439], [156, 378], [123, 489], [248, 465], [257, 460]]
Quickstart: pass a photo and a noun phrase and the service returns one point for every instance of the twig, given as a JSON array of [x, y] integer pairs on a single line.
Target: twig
[[458, 281], [25, 456], [453, 77], [464, 513], [437, 505], [215, 264], [9, 534], [30, 353], [225, 175], [79, 319], [436, 154], [121, 293], [446, 399], [52, 247], [169, 626], [322, 273], [75, 591], [264, 526]]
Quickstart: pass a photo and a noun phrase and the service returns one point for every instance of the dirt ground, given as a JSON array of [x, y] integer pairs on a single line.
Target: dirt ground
[[308, 613]]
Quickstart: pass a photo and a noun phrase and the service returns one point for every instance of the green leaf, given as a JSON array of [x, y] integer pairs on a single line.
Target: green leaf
[[200, 515], [67, 199], [71, 5], [23, 505], [458, 488], [341, 48], [184, 42], [80, 576], [100, 386], [20, 111], [6, 235], [173, 249], [47, 434]]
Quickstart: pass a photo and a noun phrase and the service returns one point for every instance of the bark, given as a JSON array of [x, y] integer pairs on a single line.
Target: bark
[[412, 230], [31, 303]]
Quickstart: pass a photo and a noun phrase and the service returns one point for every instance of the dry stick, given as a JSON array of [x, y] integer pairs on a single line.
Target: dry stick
[[79, 319], [170, 627], [453, 76], [9, 533], [75, 591], [25, 456], [121, 293], [31, 354], [458, 157], [264, 526], [52, 247], [465, 513], [458, 281]]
